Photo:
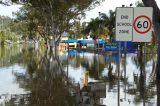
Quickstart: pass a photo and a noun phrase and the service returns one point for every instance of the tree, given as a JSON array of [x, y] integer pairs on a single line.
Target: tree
[[93, 27], [109, 22], [97, 28], [2, 37], [102, 25], [46, 82], [156, 23], [55, 16], [6, 32], [76, 30]]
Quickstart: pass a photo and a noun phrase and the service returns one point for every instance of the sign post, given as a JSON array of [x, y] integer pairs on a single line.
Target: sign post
[[142, 24], [124, 28], [134, 24], [142, 30], [124, 24]]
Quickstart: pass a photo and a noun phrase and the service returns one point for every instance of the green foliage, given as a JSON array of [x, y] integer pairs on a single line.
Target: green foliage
[[78, 30], [94, 27], [4, 22], [109, 22], [2, 37], [52, 17], [8, 29], [102, 25]]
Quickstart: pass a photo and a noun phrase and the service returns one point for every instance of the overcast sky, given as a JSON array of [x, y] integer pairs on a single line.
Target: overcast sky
[[110, 5], [104, 8], [7, 10]]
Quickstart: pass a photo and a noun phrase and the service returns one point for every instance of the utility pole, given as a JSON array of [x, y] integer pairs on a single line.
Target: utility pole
[[98, 30], [83, 26]]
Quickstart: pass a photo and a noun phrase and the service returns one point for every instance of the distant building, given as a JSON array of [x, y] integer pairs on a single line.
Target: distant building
[[62, 44]]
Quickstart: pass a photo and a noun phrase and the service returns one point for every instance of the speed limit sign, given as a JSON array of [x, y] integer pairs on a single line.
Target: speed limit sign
[[142, 24]]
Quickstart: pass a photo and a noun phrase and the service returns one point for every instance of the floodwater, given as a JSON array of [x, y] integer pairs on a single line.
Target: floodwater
[[32, 76]]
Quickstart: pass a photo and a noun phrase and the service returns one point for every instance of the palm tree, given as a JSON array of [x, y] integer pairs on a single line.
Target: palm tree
[[97, 29], [93, 27], [109, 22]]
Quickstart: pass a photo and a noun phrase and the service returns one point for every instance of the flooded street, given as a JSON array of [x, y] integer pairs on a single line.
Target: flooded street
[[32, 76]]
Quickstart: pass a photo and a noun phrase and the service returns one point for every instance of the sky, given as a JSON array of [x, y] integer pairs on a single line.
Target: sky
[[106, 6], [103, 8], [110, 5], [7, 10]]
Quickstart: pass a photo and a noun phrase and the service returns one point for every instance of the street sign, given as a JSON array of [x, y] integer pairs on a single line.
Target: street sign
[[124, 24], [142, 24]]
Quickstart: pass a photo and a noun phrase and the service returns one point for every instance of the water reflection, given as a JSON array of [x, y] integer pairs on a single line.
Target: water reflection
[[47, 81], [133, 85], [36, 77]]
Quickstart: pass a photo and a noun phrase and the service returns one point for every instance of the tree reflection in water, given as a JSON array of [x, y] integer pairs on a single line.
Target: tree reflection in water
[[144, 90], [45, 79], [50, 85], [95, 67]]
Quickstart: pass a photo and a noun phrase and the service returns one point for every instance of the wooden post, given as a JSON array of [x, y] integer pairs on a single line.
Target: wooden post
[[86, 78]]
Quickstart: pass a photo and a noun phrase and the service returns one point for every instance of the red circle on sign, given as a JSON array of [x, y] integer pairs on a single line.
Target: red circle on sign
[[142, 16]]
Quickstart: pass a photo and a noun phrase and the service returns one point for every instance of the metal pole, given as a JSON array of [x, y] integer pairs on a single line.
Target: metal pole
[[119, 53], [145, 45], [125, 72], [98, 37], [98, 65], [83, 40], [83, 43], [83, 26], [118, 90], [99, 30], [144, 74], [125, 47], [67, 68]]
